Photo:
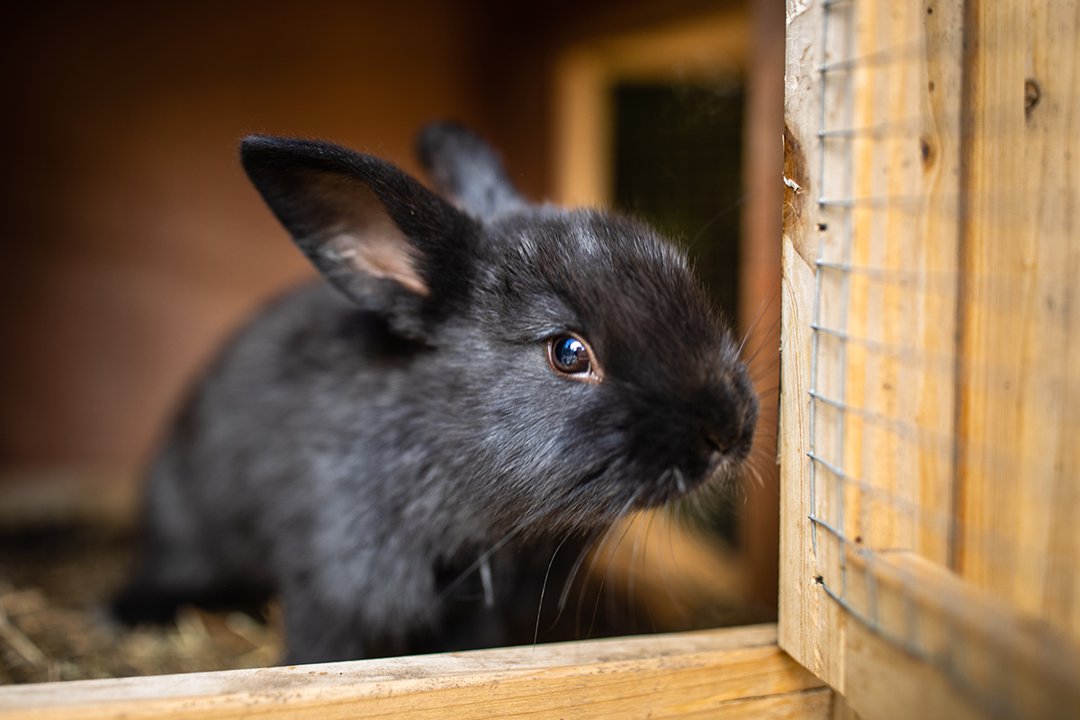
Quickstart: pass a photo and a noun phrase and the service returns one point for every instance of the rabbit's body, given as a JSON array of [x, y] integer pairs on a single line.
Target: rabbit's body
[[362, 443]]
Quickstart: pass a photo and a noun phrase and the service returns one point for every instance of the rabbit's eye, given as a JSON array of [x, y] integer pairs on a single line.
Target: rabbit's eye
[[571, 356]]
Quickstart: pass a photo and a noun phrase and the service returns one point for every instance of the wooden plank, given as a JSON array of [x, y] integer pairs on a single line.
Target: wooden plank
[[582, 122], [810, 626], [67, 498], [737, 673], [886, 177], [831, 179], [897, 429], [808, 621], [904, 688], [993, 388], [939, 647], [842, 711], [759, 301], [936, 238], [1021, 370], [888, 299]]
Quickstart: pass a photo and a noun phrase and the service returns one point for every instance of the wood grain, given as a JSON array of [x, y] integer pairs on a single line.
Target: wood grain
[[1020, 362], [735, 673], [941, 198], [810, 628]]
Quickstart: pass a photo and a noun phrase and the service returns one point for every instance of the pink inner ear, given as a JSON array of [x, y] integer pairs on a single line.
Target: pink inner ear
[[364, 237], [383, 253]]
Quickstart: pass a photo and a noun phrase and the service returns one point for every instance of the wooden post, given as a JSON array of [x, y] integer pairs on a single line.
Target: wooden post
[[759, 301]]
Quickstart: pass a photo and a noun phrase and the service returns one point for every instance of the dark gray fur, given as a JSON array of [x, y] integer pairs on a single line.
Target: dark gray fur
[[362, 442]]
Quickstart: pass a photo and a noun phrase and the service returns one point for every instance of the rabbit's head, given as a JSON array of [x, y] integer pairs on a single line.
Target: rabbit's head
[[582, 370]]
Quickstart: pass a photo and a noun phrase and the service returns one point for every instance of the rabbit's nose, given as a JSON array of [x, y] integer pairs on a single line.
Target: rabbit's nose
[[732, 434], [729, 424], [718, 447], [721, 442]]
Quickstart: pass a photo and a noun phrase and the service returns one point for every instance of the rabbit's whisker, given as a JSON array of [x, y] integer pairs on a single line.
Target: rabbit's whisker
[[592, 549], [604, 574], [768, 301], [543, 587], [485, 556]]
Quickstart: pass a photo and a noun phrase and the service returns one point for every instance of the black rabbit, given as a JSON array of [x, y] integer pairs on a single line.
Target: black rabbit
[[479, 374]]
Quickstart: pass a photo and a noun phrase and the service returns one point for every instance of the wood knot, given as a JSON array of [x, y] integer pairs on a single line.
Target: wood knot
[[926, 151], [1032, 95]]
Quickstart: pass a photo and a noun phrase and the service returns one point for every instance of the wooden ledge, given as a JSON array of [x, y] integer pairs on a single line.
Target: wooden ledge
[[736, 672]]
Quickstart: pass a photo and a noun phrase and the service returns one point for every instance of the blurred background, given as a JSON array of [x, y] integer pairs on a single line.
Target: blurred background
[[133, 242]]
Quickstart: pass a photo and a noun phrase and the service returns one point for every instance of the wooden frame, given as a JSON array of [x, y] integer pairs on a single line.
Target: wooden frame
[[914, 161], [714, 46]]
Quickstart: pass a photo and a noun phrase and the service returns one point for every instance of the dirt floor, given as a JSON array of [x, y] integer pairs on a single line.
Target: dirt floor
[[54, 585]]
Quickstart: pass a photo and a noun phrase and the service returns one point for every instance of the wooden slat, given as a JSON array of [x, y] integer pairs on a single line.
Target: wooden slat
[[936, 646], [810, 626], [1021, 367], [894, 302], [936, 248], [805, 612], [68, 498], [905, 688], [735, 673], [759, 296], [899, 305], [888, 178], [583, 157], [842, 711]]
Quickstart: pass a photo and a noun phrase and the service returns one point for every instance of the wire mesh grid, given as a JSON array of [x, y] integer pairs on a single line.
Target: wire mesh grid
[[838, 133], [893, 365]]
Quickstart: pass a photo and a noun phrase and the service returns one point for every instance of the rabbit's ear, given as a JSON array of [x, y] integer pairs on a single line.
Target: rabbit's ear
[[378, 235], [467, 170]]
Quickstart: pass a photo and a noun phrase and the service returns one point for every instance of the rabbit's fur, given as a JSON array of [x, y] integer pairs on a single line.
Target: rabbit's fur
[[361, 443]]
